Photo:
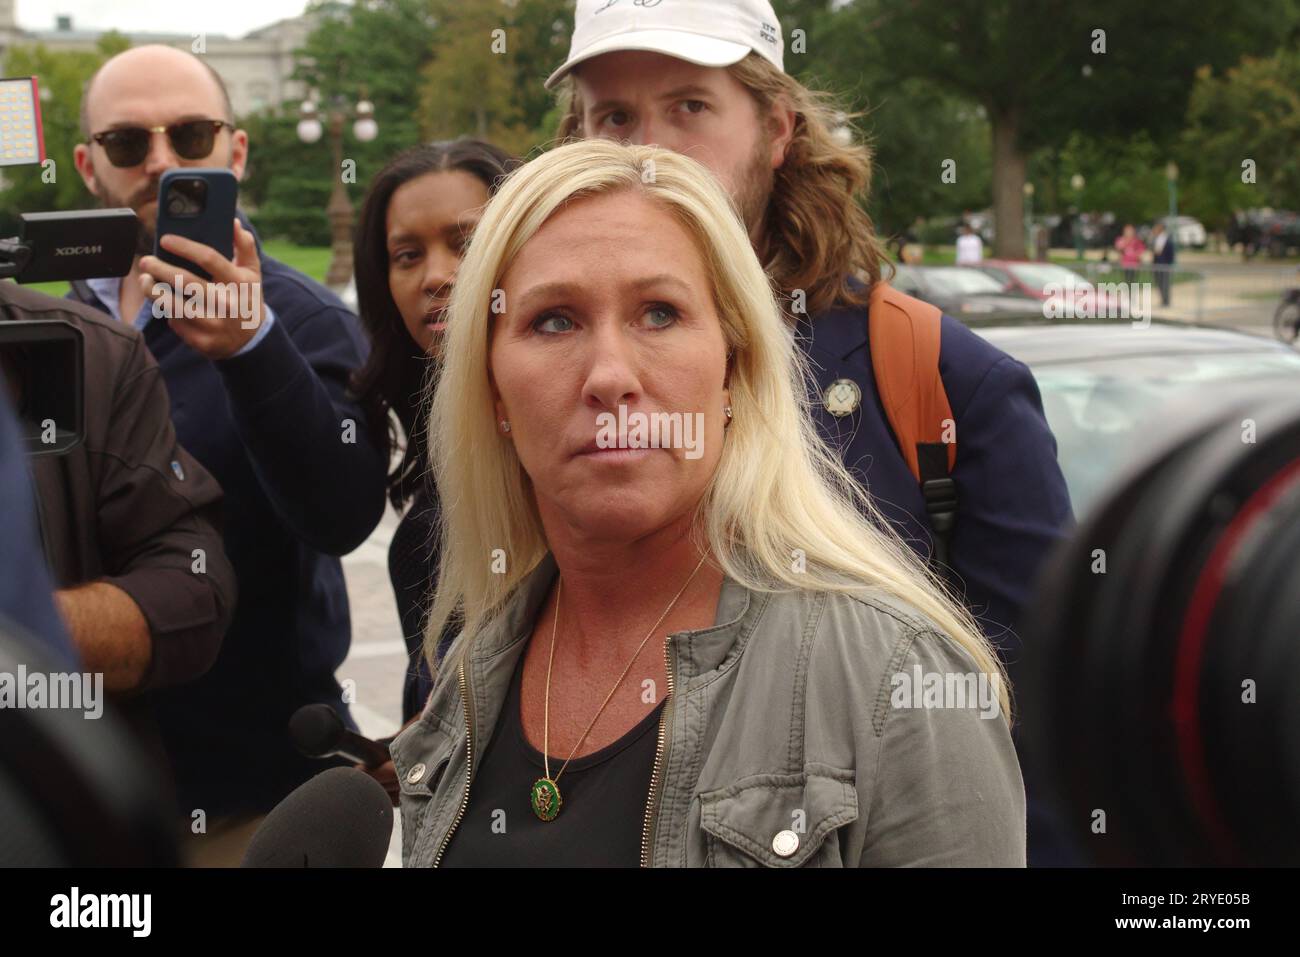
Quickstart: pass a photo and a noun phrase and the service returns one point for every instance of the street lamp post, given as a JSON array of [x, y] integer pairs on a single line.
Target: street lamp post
[[1077, 183], [1029, 220], [339, 208], [1171, 175]]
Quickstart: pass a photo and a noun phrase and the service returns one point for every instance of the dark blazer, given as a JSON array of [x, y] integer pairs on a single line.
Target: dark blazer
[[1013, 505]]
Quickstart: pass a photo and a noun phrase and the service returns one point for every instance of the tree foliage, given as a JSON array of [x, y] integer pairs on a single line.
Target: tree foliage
[[1045, 69], [61, 78], [486, 76], [1248, 113], [370, 50]]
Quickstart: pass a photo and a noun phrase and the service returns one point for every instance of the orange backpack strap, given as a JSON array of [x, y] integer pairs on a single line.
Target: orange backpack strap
[[905, 339]]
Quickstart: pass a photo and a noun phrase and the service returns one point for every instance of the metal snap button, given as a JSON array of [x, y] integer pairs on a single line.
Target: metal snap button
[[415, 774], [785, 843]]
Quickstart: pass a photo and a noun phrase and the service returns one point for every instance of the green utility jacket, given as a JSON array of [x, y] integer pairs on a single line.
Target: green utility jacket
[[802, 729]]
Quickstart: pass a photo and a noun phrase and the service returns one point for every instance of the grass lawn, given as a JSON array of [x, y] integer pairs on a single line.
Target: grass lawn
[[312, 260], [49, 288]]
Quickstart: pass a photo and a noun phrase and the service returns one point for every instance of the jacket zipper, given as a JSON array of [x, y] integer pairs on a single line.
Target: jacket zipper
[[652, 799], [469, 761]]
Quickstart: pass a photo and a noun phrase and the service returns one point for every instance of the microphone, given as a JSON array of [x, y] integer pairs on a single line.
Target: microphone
[[340, 818], [318, 732]]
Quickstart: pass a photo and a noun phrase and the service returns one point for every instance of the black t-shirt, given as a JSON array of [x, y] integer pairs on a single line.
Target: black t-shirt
[[604, 797], [413, 569]]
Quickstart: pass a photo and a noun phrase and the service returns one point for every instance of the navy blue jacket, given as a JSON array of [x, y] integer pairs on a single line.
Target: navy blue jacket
[[1012, 499], [272, 426], [1013, 505]]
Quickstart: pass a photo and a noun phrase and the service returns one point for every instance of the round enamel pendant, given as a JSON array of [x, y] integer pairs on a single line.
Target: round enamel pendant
[[546, 799]]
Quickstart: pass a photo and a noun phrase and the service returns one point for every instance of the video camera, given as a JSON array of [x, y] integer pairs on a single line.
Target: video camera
[[41, 360]]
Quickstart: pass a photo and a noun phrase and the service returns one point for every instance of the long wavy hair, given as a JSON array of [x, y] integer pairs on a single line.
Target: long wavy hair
[[393, 377], [778, 489], [817, 237]]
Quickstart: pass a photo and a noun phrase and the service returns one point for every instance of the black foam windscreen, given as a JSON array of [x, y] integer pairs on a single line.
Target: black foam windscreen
[[316, 730], [340, 818]]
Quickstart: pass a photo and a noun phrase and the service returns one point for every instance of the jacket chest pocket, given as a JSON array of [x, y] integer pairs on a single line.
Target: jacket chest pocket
[[420, 771], [779, 820]]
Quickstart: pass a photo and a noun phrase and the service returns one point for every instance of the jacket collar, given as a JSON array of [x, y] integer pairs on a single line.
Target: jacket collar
[[840, 330], [696, 652]]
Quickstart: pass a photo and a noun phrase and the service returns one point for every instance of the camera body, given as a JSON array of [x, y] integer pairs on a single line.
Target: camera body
[[42, 361], [77, 245]]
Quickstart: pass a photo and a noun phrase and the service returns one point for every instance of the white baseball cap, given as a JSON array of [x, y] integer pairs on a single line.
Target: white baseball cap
[[707, 32]]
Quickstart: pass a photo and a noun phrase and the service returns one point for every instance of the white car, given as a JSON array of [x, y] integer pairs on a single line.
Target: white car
[[1188, 233]]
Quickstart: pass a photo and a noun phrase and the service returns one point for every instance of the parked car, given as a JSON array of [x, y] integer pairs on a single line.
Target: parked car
[[963, 292], [1276, 231], [1188, 233], [1105, 387], [1046, 281]]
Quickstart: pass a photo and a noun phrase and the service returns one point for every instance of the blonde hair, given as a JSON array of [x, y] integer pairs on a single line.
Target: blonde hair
[[778, 488], [816, 236]]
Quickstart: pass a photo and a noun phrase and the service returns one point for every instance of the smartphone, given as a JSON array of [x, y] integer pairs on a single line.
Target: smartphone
[[198, 204]]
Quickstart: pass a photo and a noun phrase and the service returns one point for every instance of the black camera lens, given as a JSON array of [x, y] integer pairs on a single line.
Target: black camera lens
[[187, 197], [1161, 654]]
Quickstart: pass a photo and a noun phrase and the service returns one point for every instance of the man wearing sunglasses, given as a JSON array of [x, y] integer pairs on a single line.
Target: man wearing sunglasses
[[266, 410]]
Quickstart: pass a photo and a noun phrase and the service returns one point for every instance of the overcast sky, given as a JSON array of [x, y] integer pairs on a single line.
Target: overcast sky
[[231, 17]]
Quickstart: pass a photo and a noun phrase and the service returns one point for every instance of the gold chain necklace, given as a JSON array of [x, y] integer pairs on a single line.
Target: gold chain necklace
[[545, 793]]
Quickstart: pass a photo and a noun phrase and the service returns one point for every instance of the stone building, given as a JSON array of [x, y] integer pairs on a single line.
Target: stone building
[[256, 67]]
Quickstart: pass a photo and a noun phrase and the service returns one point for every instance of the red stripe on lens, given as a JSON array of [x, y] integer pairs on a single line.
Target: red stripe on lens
[[1184, 706]]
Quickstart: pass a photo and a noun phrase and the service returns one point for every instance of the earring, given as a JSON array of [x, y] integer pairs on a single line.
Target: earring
[[726, 410], [505, 425]]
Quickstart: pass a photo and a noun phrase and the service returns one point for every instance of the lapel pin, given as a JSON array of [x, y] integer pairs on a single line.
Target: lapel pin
[[842, 397]]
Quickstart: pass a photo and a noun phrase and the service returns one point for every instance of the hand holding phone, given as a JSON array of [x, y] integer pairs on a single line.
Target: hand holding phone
[[215, 316]]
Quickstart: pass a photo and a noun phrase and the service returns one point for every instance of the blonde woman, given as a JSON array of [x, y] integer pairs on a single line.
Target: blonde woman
[[684, 645]]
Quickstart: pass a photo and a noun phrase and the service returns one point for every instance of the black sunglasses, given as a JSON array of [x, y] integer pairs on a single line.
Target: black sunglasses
[[129, 145]]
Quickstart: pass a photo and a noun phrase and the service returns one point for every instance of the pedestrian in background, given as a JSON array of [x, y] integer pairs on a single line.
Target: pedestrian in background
[[415, 224], [264, 407], [970, 248], [1163, 250], [1130, 249]]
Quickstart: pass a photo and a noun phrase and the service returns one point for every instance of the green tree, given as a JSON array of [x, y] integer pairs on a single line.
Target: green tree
[[1124, 175], [1042, 69], [913, 126], [61, 77], [1250, 112], [372, 50], [489, 62]]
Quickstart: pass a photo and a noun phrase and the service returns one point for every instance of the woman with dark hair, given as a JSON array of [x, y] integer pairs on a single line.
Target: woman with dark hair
[[414, 225]]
